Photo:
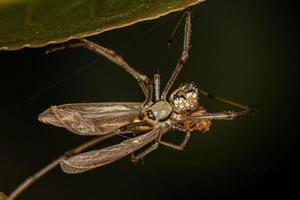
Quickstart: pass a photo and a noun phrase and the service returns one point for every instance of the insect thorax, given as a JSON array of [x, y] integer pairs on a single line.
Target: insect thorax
[[159, 111]]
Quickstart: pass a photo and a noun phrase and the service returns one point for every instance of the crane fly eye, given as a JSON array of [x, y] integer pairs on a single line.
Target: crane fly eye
[[151, 115]]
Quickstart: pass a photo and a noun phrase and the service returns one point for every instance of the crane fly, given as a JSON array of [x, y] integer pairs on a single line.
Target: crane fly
[[149, 121]]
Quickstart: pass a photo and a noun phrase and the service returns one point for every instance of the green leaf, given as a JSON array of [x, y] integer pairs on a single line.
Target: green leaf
[[36, 23]]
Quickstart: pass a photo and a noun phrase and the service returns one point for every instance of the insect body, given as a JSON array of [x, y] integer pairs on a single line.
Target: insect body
[[148, 120]]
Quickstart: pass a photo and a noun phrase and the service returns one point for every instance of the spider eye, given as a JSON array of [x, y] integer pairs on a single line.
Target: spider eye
[[151, 115]]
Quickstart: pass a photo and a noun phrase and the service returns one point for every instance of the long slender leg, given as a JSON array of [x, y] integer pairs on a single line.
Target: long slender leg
[[175, 29], [32, 179], [151, 148], [142, 79], [223, 100], [64, 47], [135, 159], [156, 82], [226, 115], [184, 55], [230, 115], [176, 146]]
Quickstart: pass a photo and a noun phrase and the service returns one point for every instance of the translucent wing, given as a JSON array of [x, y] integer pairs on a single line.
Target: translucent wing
[[91, 118], [92, 159]]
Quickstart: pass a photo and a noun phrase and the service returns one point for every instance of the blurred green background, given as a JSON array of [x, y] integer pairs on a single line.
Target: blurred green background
[[244, 50]]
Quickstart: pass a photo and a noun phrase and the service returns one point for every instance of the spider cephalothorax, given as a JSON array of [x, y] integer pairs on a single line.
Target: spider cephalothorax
[[185, 98]]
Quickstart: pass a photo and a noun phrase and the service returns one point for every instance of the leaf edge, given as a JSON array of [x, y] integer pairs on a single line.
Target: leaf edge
[[100, 30]]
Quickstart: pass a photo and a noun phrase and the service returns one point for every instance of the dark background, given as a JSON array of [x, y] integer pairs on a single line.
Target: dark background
[[244, 50]]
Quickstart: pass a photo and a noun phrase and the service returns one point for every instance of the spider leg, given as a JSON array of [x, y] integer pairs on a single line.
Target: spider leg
[[135, 158], [224, 100], [229, 115], [176, 146], [178, 23], [153, 147], [184, 55], [143, 80]]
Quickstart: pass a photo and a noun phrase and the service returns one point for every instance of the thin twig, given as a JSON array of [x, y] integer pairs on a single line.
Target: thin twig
[[30, 180]]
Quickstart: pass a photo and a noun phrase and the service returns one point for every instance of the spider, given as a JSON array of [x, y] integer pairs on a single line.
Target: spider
[[149, 120]]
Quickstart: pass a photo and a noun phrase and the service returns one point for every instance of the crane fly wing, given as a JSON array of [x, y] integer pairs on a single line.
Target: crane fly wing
[[91, 118], [92, 159]]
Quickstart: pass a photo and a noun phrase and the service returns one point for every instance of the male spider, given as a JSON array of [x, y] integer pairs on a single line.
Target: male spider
[[153, 117]]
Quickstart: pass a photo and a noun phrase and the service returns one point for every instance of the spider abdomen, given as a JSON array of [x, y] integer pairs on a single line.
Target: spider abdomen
[[185, 98]]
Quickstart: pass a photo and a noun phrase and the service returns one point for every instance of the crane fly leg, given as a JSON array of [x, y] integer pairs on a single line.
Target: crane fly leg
[[153, 147], [176, 29], [135, 158], [184, 55], [143, 80], [111, 55], [176, 146], [64, 47]]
